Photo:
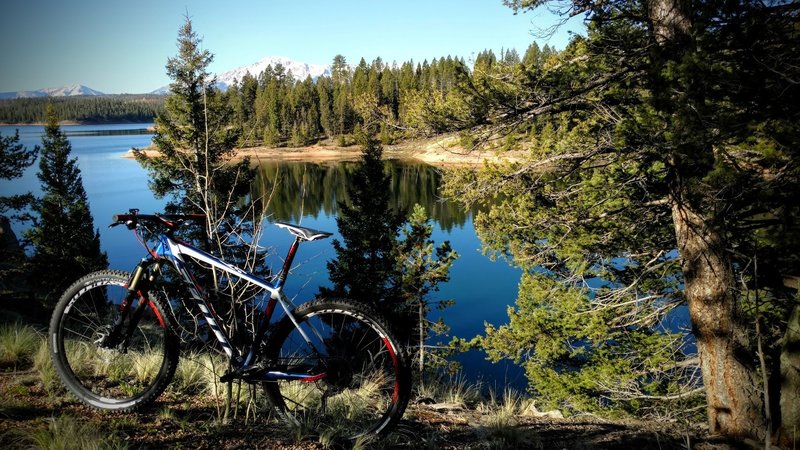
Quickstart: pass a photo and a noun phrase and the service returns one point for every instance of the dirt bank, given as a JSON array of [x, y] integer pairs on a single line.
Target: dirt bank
[[441, 151]]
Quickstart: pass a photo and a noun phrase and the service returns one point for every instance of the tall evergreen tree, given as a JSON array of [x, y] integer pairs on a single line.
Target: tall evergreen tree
[[533, 56], [390, 92], [421, 268], [660, 131], [14, 159], [364, 268], [198, 169], [195, 137], [66, 245], [325, 95], [374, 264], [340, 71]]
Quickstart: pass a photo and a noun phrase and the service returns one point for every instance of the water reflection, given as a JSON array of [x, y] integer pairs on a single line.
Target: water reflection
[[298, 189]]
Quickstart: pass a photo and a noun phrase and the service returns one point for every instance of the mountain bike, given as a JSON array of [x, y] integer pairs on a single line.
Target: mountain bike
[[115, 343]]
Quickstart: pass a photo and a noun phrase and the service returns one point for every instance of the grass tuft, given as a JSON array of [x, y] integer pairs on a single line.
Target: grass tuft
[[190, 376], [453, 389], [502, 421], [43, 365], [18, 344], [68, 433]]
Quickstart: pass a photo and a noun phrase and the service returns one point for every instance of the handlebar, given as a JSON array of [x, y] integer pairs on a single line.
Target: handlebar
[[133, 218]]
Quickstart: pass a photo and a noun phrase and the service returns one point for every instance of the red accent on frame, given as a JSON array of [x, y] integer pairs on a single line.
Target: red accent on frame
[[270, 308], [314, 378], [287, 264], [155, 311], [396, 393]]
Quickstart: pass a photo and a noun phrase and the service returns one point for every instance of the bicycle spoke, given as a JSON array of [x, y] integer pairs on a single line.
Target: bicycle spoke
[[124, 377], [359, 393]]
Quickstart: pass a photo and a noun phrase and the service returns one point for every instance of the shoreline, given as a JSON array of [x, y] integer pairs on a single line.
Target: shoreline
[[438, 151], [73, 123], [442, 150]]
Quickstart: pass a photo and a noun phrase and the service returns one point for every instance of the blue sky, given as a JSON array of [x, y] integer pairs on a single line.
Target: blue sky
[[122, 46]]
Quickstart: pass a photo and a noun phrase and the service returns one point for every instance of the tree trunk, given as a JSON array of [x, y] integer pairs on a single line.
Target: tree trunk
[[735, 405], [730, 376], [790, 383], [421, 317]]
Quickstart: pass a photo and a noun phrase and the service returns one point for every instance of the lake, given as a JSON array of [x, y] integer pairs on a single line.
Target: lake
[[308, 194]]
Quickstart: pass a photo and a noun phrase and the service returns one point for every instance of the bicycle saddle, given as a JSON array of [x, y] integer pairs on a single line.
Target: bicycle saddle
[[304, 233]]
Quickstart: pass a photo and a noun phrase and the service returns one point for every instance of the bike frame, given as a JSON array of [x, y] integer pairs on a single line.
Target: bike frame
[[174, 251]]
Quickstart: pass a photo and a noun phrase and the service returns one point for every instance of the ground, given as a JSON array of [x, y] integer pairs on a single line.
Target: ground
[[34, 417], [27, 412]]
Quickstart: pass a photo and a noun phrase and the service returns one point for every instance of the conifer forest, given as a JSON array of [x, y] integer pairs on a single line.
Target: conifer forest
[[646, 187]]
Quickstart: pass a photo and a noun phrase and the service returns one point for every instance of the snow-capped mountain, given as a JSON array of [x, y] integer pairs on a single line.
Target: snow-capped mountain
[[70, 90], [300, 71], [163, 90], [63, 91]]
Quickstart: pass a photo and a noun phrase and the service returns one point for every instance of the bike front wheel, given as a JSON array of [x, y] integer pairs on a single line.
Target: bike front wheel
[[359, 381], [120, 374]]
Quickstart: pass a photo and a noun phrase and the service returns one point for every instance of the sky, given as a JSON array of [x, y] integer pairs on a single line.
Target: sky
[[122, 46]]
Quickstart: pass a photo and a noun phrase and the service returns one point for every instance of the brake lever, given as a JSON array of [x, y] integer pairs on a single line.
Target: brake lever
[[130, 224]]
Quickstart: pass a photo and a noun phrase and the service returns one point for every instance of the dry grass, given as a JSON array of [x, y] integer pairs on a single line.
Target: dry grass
[[18, 344], [454, 390], [43, 365], [68, 433]]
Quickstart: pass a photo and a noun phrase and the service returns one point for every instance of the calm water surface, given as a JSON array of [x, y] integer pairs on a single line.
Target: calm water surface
[[307, 194]]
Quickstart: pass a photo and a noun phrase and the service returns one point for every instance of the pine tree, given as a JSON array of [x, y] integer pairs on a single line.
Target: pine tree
[[340, 71], [66, 245], [389, 92], [533, 56], [14, 159], [422, 267], [325, 95], [663, 171], [197, 167], [376, 265], [195, 137], [364, 268]]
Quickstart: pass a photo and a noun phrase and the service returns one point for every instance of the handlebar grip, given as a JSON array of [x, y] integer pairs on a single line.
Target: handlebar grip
[[116, 218]]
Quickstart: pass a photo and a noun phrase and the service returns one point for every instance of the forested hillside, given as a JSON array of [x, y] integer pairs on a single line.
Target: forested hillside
[[89, 109], [406, 99], [274, 109]]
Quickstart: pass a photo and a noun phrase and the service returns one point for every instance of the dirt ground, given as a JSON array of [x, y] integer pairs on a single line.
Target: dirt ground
[[27, 410]]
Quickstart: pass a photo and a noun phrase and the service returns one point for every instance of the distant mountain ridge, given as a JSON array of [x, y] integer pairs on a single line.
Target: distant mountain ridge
[[300, 71], [63, 91]]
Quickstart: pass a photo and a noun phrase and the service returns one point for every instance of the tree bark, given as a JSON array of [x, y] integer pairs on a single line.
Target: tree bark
[[730, 376], [735, 405], [790, 383]]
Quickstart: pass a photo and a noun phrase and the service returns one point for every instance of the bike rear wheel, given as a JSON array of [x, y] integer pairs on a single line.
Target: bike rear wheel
[[119, 377], [360, 382]]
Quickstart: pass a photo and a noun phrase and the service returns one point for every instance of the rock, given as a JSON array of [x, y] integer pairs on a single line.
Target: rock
[[533, 412]]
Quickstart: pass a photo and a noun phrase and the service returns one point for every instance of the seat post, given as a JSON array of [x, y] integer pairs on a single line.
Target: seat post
[[287, 263]]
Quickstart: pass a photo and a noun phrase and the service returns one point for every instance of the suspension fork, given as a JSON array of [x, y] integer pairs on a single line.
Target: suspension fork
[[137, 288]]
